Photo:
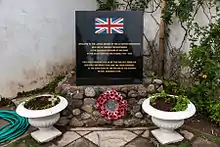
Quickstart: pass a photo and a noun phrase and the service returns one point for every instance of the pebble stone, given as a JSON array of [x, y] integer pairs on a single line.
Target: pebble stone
[[188, 135], [90, 92], [139, 115], [157, 81], [76, 112]]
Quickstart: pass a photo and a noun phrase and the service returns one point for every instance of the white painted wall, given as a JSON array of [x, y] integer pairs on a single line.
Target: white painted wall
[[36, 41]]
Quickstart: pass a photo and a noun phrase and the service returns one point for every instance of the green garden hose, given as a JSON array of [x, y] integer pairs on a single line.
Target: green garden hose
[[16, 126]]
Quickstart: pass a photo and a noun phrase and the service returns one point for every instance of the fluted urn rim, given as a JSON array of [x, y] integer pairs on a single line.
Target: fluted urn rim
[[22, 111], [164, 115]]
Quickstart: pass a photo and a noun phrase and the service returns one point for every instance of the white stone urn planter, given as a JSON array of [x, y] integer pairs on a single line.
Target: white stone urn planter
[[167, 122], [43, 119]]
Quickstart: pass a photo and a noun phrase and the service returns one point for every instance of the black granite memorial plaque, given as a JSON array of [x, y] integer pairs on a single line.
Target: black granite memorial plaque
[[109, 47]]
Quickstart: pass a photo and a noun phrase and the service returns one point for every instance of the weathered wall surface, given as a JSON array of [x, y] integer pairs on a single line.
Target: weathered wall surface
[[36, 41], [176, 39]]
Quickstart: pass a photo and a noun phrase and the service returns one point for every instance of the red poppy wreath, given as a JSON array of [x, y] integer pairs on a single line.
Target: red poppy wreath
[[111, 105]]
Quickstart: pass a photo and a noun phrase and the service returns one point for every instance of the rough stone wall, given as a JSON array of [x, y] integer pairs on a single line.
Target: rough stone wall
[[82, 110]]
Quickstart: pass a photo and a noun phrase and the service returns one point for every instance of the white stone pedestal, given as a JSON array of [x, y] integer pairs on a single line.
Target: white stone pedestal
[[168, 121], [166, 137], [45, 134], [43, 119]]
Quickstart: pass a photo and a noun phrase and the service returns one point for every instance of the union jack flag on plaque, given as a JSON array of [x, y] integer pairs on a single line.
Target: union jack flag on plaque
[[109, 25]]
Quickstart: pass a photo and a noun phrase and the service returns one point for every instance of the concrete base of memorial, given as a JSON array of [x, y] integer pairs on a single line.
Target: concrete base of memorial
[[82, 109]]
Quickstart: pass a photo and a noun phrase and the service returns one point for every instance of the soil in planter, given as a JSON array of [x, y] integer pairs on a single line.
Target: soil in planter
[[162, 105], [40, 103]]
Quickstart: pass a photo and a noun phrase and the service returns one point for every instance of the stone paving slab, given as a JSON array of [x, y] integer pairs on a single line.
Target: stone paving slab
[[104, 128], [116, 138], [82, 142], [82, 133], [140, 142], [100, 137], [109, 138], [138, 132], [146, 134], [67, 138]]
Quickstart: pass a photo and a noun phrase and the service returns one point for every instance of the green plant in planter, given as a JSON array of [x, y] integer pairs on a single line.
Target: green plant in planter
[[166, 102], [173, 87], [41, 102]]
